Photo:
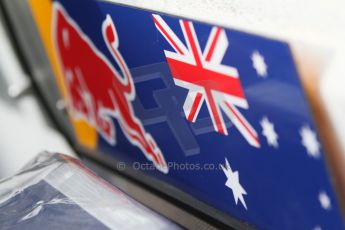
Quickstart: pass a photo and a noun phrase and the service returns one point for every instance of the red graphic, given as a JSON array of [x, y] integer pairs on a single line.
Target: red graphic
[[206, 78], [97, 91]]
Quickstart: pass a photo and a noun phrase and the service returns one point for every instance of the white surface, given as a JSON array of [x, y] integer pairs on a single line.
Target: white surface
[[23, 136], [315, 21], [23, 130]]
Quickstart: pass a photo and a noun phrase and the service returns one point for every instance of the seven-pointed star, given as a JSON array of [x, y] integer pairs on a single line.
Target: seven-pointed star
[[259, 64], [234, 184], [269, 132], [310, 142], [324, 200]]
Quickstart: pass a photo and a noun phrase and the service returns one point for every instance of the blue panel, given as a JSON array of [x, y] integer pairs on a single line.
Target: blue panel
[[276, 177]]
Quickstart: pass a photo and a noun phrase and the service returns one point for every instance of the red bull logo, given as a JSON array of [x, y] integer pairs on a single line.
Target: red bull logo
[[97, 92]]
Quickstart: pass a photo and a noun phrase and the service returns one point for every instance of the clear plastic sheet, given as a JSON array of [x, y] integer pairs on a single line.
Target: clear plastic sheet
[[55, 191]]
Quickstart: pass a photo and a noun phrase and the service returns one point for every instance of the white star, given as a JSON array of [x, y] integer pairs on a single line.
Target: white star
[[234, 184], [269, 132], [259, 64], [317, 228], [309, 141], [324, 200]]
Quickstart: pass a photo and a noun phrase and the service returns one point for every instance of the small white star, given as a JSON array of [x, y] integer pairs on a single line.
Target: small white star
[[259, 64], [310, 142], [234, 184], [324, 200], [317, 228], [269, 132]]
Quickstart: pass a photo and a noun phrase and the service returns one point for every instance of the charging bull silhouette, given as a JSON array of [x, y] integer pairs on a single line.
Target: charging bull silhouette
[[96, 90]]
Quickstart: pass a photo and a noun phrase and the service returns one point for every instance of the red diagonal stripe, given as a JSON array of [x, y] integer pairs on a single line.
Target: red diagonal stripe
[[253, 135], [213, 44], [195, 107], [216, 116], [194, 45], [161, 28]]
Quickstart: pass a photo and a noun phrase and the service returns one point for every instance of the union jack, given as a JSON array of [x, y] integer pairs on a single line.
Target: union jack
[[206, 78]]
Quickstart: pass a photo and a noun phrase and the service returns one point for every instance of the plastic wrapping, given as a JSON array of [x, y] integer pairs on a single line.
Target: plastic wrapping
[[55, 191]]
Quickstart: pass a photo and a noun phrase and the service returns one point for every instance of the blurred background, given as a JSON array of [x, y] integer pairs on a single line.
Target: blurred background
[[24, 128]]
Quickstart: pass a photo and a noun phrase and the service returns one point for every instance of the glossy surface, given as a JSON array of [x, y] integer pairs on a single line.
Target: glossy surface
[[152, 96]]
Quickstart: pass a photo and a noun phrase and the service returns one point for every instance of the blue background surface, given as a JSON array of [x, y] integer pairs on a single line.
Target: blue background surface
[[283, 184]]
